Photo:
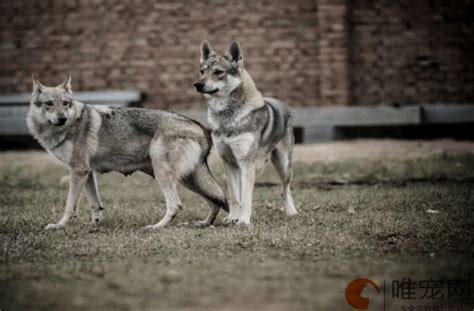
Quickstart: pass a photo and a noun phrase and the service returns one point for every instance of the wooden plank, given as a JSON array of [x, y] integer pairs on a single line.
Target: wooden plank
[[447, 114], [13, 112], [15, 99], [322, 117], [340, 116], [13, 126], [356, 116], [116, 96], [107, 96], [317, 134]]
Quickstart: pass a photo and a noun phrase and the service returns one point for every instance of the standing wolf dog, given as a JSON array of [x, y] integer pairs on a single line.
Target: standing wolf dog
[[92, 139], [247, 129]]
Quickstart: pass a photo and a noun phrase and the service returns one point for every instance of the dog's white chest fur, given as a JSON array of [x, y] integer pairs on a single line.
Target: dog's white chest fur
[[234, 147]]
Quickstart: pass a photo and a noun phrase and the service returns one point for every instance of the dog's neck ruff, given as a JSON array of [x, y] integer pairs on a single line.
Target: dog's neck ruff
[[237, 107], [225, 107]]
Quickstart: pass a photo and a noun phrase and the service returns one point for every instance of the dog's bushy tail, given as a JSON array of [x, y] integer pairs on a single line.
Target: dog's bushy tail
[[202, 182]]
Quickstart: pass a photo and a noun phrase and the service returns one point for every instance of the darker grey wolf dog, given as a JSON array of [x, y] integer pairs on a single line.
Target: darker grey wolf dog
[[247, 129], [89, 139]]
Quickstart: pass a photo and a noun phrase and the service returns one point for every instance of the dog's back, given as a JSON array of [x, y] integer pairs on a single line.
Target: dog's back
[[125, 136], [278, 122]]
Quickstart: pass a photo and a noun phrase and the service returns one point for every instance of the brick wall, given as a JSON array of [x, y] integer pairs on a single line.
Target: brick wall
[[319, 52], [154, 45], [406, 52], [333, 52]]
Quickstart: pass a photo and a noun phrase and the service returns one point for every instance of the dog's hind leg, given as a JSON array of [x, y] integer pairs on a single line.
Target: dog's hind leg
[[76, 185], [203, 183], [92, 193], [169, 186], [281, 159], [172, 158]]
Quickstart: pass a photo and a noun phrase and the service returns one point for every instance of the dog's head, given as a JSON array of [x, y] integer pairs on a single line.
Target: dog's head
[[53, 103], [219, 75]]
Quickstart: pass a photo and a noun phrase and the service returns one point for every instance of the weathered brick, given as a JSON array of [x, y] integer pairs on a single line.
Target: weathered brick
[[323, 52]]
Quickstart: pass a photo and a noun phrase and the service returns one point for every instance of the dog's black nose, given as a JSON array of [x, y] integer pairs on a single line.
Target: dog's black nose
[[199, 86], [62, 120]]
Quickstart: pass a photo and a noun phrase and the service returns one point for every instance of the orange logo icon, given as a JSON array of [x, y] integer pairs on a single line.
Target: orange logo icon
[[354, 290]]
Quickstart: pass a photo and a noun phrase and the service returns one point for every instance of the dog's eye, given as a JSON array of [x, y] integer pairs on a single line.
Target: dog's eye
[[66, 103], [218, 72], [48, 103], [201, 71]]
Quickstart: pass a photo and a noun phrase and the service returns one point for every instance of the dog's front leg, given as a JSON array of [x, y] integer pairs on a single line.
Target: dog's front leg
[[92, 193], [76, 185], [233, 187], [247, 181]]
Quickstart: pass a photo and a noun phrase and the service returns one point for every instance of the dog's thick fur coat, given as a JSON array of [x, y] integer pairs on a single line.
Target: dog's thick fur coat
[[247, 129], [89, 139]]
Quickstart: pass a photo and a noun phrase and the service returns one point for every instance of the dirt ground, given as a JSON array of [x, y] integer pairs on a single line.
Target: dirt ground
[[380, 209]]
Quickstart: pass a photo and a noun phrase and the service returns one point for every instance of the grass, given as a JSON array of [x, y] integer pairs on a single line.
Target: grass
[[357, 219]]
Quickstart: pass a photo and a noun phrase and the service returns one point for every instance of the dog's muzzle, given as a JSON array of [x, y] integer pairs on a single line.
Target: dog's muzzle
[[61, 121], [200, 87]]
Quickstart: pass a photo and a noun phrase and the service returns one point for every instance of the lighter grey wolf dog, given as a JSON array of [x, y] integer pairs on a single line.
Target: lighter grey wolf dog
[[247, 129], [89, 139]]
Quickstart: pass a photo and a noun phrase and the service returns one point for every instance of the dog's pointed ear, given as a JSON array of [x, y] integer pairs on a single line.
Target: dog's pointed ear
[[37, 86], [234, 53], [206, 51], [67, 84]]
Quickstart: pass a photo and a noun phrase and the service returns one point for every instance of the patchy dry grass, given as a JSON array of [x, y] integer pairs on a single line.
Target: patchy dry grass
[[358, 219]]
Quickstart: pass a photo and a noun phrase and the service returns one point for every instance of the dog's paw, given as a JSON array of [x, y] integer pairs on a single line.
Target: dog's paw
[[151, 227], [291, 213], [243, 223], [96, 221], [230, 220], [54, 226]]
